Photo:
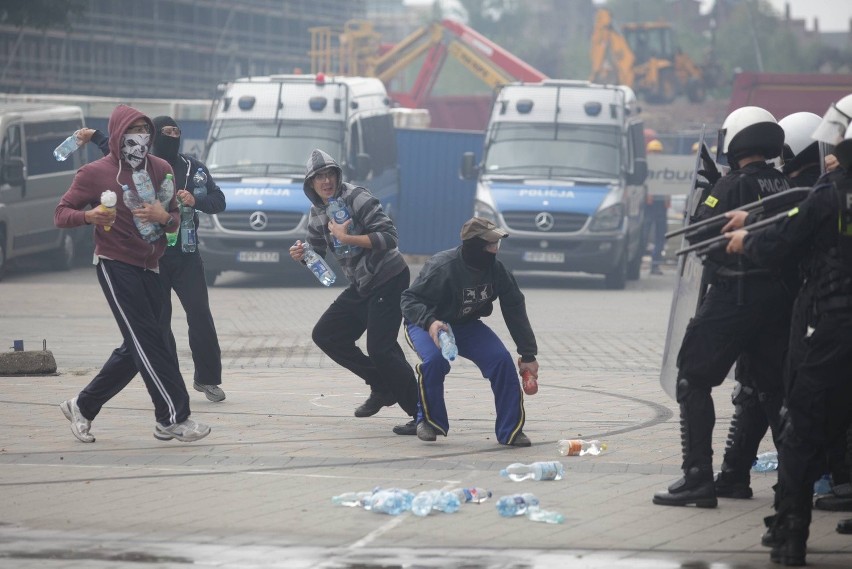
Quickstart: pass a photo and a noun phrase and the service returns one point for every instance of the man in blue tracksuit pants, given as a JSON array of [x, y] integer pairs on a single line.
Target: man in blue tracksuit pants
[[455, 289]]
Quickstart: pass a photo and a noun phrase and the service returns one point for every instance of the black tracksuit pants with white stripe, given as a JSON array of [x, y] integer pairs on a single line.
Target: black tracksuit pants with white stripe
[[135, 296]]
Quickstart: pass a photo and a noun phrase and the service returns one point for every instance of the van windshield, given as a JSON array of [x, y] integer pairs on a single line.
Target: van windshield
[[554, 151], [270, 148]]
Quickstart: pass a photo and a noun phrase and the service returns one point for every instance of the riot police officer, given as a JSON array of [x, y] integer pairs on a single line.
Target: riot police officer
[[750, 421], [743, 318], [819, 398]]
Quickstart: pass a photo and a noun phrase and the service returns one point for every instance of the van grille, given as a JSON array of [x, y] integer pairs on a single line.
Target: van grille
[[562, 222], [276, 221]]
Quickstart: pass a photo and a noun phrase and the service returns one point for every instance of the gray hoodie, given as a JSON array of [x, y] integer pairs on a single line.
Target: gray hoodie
[[366, 268]]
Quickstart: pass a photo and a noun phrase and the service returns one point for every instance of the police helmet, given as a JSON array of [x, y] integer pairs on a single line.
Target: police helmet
[[833, 126], [798, 129], [749, 130]]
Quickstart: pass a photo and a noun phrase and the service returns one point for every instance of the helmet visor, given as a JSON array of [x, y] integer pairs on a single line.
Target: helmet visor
[[832, 127]]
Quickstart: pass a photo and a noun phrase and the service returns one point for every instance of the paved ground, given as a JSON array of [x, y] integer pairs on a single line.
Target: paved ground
[[256, 492]]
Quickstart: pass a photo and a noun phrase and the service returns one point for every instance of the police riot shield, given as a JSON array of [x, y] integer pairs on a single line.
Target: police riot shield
[[687, 290]]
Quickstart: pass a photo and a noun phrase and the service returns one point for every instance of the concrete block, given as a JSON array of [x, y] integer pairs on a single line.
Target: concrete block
[[36, 362]]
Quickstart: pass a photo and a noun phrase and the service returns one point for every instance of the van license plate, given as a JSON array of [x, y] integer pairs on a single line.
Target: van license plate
[[258, 256], [543, 257]]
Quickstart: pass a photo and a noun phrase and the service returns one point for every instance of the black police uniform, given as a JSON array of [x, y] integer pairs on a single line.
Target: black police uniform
[[744, 318], [820, 395]]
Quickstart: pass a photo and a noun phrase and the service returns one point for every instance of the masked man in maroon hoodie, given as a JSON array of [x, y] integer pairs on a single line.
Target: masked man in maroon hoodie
[[129, 241]]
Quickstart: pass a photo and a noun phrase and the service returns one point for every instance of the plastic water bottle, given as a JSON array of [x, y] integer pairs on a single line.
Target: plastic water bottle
[[516, 504], [351, 499], [144, 186], [167, 191], [338, 213], [823, 485], [428, 500], [317, 265], [766, 462], [392, 501], [69, 145], [473, 495], [552, 470], [536, 514], [578, 447], [199, 183], [448, 343], [188, 242], [145, 228]]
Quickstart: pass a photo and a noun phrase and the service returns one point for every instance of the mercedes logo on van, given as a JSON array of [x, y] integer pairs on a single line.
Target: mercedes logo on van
[[258, 221], [544, 221]]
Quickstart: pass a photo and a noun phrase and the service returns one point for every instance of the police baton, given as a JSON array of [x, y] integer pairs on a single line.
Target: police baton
[[782, 200], [720, 241]]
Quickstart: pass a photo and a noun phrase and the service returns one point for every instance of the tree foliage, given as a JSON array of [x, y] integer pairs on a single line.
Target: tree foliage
[[40, 14]]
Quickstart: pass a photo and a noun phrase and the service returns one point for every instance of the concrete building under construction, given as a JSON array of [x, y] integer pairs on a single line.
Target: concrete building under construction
[[166, 48]]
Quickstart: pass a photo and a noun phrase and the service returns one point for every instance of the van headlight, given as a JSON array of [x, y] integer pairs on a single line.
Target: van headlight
[[608, 219], [481, 209], [205, 221]]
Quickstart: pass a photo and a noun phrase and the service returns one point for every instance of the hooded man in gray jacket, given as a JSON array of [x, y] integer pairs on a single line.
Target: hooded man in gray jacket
[[365, 246]]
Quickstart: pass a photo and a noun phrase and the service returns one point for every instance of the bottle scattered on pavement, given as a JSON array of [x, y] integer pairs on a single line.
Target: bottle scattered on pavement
[[391, 501], [550, 470], [822, 486], [579, 447], [473, 495], [448, 344], [439, 500], [766, 462], [516, 504], [351, 499], [536, 514]]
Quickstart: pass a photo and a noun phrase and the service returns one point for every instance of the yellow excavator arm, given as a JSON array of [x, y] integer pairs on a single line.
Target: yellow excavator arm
[[612, 58]]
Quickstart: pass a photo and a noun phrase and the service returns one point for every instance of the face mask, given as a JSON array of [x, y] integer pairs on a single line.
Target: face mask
[[134, 148], [475, 255]]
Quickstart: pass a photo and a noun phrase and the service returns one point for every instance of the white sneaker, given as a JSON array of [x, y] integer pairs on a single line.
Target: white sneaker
[[187, 431], [213, 392], [80, 426]]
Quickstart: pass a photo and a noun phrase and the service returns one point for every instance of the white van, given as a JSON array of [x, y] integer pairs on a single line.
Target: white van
[[32, 181]]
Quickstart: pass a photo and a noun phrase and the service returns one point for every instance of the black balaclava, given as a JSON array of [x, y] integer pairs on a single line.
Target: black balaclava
[[475, 255], [165, 147]]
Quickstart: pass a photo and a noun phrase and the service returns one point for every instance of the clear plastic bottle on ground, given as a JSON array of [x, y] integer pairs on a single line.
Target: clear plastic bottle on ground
[[474, 495], [339, 214], [766, 462], [448, 344], [579, 447], [536, 514], [516, 504], [428, 500], [317, 265], [822, 486], [68, 146], [351, 499], [550, 470], [392, 501]]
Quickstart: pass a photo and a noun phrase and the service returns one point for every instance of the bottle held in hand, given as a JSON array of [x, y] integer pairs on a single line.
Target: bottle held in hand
[[68, 146], [108, 201], [448, 343], [317, 265]]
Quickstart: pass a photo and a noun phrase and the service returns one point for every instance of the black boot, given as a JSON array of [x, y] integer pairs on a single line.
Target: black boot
[[697, 417], [748, 426], [695, 488], [792, 534]]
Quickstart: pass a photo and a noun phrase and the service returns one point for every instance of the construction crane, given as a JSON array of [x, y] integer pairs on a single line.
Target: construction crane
[[647, 59], [357, 51]]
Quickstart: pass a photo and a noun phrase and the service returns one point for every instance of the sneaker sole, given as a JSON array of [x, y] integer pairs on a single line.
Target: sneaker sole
[[208, 395], [66, 410], [164, 436], [705, 503]]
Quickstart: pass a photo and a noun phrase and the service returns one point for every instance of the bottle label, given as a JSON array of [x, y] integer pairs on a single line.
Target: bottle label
[[574, 448]]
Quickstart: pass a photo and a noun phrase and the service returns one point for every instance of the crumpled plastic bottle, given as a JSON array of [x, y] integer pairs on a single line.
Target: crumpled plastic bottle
[[392, 501], [766, 462], [516, 504], [428, 500]]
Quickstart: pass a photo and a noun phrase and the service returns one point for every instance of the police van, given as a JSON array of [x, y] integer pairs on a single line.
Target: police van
[[32, 182], [260, 138], [563, 171]]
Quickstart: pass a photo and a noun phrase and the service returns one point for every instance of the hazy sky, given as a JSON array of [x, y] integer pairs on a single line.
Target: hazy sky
[[833, 15]]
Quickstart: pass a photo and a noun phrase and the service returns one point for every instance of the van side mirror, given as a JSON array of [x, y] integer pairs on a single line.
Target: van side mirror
[[12, 172], [639, 173], [363, 166], [469, 169]]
